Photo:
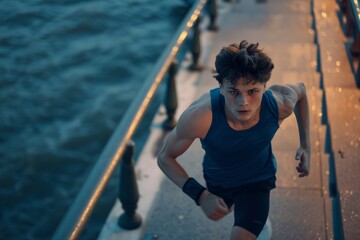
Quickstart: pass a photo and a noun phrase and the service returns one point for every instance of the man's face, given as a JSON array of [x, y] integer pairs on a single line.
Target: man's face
[[242, 100]]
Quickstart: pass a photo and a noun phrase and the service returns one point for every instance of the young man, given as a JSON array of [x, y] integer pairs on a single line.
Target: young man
[[235, 124]]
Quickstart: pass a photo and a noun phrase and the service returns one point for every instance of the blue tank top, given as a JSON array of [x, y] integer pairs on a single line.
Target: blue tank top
[[234, 158]]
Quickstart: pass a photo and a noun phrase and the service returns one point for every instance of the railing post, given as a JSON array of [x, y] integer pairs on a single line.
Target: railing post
[[171, 102], [355, 46], [128, 191], [212, 9], [349, 24], [357, 76], [355, 51], [195, 47]]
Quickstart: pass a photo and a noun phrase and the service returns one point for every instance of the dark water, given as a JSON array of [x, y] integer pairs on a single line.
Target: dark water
[[68, 71]]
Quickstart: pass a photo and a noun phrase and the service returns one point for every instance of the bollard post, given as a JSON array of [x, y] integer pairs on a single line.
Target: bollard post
[[355, 52], [355, 45], [212, 9], [349, 25], [357, 76], [171, 102], [128, 191], [195, 47]]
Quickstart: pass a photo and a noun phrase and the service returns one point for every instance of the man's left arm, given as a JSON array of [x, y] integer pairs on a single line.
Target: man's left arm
[[293, 98], [302, 114]]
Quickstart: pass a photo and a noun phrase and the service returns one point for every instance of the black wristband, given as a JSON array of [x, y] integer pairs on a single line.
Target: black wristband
[[193, 189]]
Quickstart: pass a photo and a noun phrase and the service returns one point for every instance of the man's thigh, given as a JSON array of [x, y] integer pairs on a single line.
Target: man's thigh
[[251, 209]]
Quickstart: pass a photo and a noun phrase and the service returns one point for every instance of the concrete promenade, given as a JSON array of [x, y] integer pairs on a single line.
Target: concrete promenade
[[300, 208]]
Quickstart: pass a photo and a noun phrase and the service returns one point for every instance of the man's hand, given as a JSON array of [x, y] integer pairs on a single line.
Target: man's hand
[[303, 155], [213, 206]]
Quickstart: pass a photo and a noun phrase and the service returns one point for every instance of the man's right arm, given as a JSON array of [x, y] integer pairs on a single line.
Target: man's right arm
[[194, 123], [191, 125], [213, 206], [173, 147]]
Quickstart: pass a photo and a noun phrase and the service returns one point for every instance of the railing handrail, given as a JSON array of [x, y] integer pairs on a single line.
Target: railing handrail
[[355, 9], [78, 214]]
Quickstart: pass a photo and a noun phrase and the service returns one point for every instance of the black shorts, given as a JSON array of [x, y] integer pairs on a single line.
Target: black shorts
[[251, 203]]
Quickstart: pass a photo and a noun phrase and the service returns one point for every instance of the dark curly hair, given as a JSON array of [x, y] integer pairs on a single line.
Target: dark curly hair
[[242, 60]]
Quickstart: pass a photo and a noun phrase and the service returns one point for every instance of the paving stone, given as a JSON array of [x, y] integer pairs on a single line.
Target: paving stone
[[302, 220], [344, 116], [343, 106]]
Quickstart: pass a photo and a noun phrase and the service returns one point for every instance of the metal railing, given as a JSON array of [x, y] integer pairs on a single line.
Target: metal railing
[[78, 214], [351, 20]]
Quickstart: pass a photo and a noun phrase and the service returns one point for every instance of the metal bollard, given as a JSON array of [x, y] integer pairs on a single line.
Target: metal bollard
[[355, 51], [212, 9], [128, 191], [355, 45], [358, 76], [196, 48], [171, 102]]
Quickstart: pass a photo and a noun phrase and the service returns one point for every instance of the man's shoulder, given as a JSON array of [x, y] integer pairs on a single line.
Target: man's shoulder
[[198, 116], [203, 103], [283, 93], [287, 89], [286, 98], [279, 89]]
